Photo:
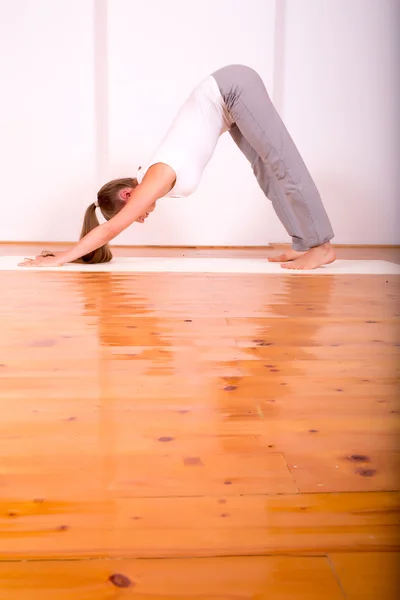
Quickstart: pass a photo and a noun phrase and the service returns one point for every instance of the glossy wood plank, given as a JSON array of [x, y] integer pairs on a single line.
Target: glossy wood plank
[[255, 444], [260, 578], [224, 525], [76, 469], [352, 471], [372, 576]]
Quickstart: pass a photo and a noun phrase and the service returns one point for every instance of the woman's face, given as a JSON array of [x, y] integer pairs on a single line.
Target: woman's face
[[125, 195], [142, 218]]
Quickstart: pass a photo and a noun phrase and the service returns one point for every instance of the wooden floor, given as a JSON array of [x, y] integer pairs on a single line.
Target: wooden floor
[[205, 437]]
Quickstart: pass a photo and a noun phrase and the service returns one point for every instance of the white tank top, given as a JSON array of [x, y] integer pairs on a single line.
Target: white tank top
[[191, 140]]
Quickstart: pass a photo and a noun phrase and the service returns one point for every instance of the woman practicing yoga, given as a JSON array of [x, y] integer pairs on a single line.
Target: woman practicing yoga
[[233, 99]]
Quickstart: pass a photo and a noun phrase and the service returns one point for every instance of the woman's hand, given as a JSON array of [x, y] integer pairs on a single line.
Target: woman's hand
[[48, 253], [43, 261]]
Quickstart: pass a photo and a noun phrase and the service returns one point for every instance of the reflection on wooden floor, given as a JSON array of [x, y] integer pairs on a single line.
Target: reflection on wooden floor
[[239, 433]]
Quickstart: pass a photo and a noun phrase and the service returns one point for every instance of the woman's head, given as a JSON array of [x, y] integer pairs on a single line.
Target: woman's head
[[110, 199]]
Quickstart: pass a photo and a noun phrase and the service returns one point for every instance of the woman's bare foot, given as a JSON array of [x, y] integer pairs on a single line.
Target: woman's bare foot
[[286, 256], [313, 258]]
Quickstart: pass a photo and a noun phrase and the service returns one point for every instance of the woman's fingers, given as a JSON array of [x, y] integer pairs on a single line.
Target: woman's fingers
[[29, 262], [41, 261], [45, 253]]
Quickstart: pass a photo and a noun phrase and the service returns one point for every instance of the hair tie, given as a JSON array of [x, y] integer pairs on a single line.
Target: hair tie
[[96, 203]]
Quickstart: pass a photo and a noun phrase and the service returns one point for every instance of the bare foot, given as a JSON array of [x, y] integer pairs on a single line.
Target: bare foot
[[286, 256], [313, 258]]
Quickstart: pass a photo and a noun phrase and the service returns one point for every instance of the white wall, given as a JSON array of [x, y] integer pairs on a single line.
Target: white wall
[[341, 90], [89, 87], [47, 125]]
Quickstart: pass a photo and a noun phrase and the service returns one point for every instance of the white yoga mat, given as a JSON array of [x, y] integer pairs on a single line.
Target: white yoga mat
[[210, 265]]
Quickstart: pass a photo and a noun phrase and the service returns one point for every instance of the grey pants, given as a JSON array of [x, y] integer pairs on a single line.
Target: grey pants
[[281, 173]]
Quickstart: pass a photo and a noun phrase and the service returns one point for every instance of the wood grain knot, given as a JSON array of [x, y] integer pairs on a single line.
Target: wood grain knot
[[358, 458], [193, 461], [262, 343], [119, 580], [366, 472]]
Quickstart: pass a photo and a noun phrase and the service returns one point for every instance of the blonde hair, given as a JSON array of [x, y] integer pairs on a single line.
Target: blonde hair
[[110, 204]]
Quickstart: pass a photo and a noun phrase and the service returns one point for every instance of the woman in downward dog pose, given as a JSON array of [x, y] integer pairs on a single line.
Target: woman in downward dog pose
[[232, 99]]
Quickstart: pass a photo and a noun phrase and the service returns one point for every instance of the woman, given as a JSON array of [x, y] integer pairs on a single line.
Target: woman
[[233, 99]]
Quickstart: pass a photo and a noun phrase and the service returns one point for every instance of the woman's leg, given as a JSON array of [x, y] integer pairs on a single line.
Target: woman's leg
[[290, 186], [266, 182], [259, 169]]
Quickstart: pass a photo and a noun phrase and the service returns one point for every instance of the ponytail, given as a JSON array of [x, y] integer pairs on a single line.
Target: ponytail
[[90, 221]]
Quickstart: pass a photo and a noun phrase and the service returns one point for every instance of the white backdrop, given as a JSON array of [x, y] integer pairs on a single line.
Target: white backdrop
[[47, 125], [341, 90], [90, 86]]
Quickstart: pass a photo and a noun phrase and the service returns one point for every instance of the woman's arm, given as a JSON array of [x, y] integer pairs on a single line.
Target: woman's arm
[[157, 182]]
